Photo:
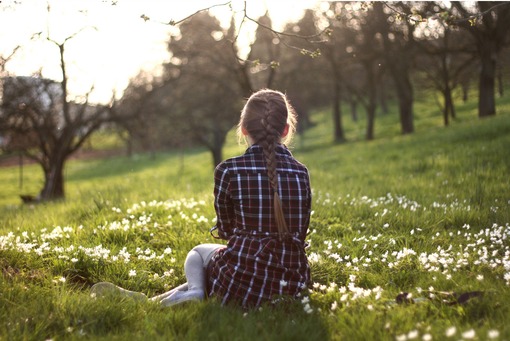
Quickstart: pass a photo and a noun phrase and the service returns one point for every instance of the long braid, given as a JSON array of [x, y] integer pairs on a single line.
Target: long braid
[[269, 142], [266, 116]]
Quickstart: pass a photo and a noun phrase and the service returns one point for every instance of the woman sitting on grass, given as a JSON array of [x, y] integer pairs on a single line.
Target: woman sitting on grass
[[263, 203]]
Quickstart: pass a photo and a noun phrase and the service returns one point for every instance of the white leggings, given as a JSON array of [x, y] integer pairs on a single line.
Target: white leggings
[[194, 269]]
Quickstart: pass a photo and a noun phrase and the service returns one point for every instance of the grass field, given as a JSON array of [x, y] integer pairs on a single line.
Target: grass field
[[420, 217]]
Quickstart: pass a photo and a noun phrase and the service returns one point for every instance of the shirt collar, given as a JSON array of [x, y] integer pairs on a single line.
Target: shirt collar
[[257, 149]]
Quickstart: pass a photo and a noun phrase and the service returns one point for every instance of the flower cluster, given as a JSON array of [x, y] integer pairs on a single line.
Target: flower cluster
[[139, 218], [455, 249], [449, 333]]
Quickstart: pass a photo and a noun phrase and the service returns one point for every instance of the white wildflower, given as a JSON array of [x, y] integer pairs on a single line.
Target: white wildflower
[[493, 334], [413, 334], [307, 308], [402, 337], [451, 331], [469, 334]]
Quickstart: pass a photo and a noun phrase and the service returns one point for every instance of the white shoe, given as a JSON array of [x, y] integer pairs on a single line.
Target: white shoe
[[179, 297], [106, 288]]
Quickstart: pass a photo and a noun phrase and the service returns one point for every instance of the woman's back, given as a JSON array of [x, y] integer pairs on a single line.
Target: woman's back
[[258, 263], [242, 184]]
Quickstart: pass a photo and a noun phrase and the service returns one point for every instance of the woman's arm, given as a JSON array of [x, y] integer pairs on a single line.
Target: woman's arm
[[223, 202]]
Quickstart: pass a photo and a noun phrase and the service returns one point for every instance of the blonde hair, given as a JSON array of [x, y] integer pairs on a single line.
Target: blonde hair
[[264, 117]]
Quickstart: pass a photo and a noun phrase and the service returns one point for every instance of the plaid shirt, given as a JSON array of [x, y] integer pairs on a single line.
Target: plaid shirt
[[256, 266]]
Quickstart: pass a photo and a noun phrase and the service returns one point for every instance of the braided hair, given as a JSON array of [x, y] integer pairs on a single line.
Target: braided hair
[[265, 117]]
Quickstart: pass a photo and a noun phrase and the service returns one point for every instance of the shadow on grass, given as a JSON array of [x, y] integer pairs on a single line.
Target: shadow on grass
[[286, 321]]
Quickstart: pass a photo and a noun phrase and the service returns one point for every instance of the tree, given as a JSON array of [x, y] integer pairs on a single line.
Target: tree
[[140, 115], [369, 52], [334, 52], [303, 75], [446, 63], [40, 108], [489, 25], [365, 49], [265, 52], [205, 83], [259, 68], [399, 48]]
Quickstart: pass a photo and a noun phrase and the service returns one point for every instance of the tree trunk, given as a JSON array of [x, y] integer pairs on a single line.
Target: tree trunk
[[452, 105], [449, 106], [465, 91], [216, 147], [446, 108], [405, 102], [217, 155], [354, 109], [372, 99], [370, 122], [53, 180], [447, 91], [400, 74], [500, 81], [337, 112], [486, 102], [382, 99]]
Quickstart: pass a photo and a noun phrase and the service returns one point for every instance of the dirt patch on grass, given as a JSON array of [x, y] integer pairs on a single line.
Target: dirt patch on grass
[[88, 154]]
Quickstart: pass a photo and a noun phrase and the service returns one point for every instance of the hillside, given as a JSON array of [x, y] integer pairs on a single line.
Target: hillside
[[418, 218]]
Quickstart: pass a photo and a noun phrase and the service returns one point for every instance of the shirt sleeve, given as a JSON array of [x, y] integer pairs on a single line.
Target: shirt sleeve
[[225, 215], [308, 203], [308, 194]]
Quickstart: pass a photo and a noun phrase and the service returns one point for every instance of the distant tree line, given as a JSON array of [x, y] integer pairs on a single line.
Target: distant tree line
[[350, 53], [344, 55]]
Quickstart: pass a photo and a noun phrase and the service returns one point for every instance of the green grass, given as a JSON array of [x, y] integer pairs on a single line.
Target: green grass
[[422, 213]]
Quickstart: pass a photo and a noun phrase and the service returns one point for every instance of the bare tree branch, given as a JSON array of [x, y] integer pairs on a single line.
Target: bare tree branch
[[175, 23], [4, 60], [278, 34], [467, 17], [473, 17]]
